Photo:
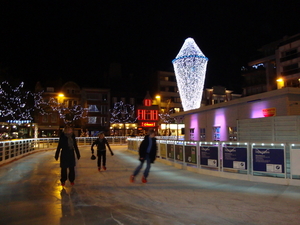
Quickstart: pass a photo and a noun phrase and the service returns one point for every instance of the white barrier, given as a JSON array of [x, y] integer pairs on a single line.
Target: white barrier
[[13, 149], [261, 162]]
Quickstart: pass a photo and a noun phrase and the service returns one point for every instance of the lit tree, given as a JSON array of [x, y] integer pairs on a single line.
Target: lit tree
[[68, 114], [17, 103], [122, 113], [167, 118]]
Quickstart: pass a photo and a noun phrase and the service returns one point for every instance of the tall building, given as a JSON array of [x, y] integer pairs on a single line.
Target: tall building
[[97, 101], [167, 92], [260, 75], [288, 62], [276, 67]]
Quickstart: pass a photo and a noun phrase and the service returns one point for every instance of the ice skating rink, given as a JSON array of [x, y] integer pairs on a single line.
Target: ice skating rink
[[30, 193]]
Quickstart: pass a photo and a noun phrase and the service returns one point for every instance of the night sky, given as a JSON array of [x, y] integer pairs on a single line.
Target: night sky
[[77, 40]]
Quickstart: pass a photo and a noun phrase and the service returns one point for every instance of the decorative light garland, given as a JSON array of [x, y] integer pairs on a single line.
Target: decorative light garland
[[15, 102], [68, 114], [190, 68], [122, 113], [166, 117]]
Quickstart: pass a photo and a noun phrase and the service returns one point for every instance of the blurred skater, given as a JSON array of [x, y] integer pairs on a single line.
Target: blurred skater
[[101, 143], [68, 147], [147, 152]]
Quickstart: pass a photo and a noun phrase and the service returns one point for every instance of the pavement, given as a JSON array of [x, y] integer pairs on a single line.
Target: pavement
[[30, 193]]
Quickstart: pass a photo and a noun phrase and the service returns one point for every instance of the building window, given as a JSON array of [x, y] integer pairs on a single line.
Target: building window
[[147, 102], [132, 101], [70, 103], [290, 52], [192, 134], [147, 114], [53, 117], [50, 89], [45, 118], [93, 108], [216, 134], [232, 133], [93, 96], [103, 121], [290, 67], [177, 110], [92, 119], [104, 109], [202, 134]]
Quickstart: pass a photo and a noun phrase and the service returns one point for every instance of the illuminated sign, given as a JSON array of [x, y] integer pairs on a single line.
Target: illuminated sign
[[148, 124], [269, 112], [147, 114]]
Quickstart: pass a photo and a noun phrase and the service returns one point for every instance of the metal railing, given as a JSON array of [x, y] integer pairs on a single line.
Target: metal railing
[[265, 162], [13, 149]]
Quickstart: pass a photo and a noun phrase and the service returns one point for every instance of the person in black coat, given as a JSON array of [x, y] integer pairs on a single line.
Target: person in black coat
[[67, 147], [101, 144], [147, 152]]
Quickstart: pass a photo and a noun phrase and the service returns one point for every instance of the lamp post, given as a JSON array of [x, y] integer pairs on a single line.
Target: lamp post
[[158, 100], [280, 83], [60, 99]]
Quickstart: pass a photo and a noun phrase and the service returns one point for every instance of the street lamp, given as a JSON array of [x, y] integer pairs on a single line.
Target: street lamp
[[280, 83], [60, 97]]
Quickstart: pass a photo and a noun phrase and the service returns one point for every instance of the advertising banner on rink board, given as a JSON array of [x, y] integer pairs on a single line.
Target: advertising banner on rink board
[[170, 151], [179, 152], [209, 156], [268, 160], [163, 151], [130, 144], [190, 154], [235, 158]]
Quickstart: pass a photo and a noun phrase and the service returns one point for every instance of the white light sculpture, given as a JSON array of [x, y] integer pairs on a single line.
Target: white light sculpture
[[190, 68]]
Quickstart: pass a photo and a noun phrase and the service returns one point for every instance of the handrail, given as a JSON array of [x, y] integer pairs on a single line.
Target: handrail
[[255, 161], [12, 149]]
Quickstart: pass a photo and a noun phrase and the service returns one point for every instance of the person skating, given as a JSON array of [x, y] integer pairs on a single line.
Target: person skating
[[66, 149], [147, 152], [101, 143]]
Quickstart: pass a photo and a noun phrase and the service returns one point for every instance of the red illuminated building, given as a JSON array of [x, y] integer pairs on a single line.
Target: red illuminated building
[[147, 116]]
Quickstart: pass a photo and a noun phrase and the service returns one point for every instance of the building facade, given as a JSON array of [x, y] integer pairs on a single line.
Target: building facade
[[97, 103], [288, 62], [219, 122]]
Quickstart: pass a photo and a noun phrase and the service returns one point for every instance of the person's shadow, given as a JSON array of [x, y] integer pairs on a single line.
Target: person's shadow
[[70, 215]]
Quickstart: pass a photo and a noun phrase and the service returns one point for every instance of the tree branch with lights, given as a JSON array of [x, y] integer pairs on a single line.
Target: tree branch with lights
[[68, 114], [18, 104], [122, 113]]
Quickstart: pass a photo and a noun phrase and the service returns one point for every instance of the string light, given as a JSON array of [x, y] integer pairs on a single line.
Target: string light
[[16, 103], [68, 114], [122, 113], [166, 117], [190, 68]]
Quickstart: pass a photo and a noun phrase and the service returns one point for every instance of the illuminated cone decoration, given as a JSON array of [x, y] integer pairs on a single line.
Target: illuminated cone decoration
[[190, 68]]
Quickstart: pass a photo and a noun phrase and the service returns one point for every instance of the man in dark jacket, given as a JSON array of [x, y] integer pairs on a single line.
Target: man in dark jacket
[[68, 147], [101, 143], [147, 151]]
